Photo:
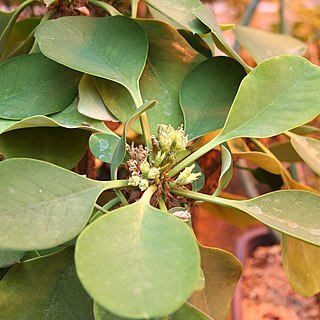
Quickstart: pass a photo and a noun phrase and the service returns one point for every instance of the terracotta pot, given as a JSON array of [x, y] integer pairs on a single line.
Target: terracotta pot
[[245, 245]]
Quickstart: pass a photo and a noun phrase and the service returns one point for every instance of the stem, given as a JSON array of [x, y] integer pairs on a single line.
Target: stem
[[121, 197], [104, 209], [105, 6], [261, 146], [116, 184], [162, 205], [195, 155]]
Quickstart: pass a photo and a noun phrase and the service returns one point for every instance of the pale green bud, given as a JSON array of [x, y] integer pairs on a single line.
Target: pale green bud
[[159, 158], [166, 135], [153, 173], [144, 184], [134, 181], [186, 176], [181, 141], [144, 167]]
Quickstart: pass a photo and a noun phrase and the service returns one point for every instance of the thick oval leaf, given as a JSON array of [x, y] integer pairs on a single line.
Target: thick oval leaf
[[186, 312], [9, 257], [45, 288], [262, 160], [113, 48], [263, 45], [257, 113], [181, 12], [35, 85], [301, 264], [222, 271], [207, 93], [137, 261], [308, 149], [90, 102], [169, 62], [284, 151], [42, 205], [68, 118], [103, 145], [60, 146], [292, 212]]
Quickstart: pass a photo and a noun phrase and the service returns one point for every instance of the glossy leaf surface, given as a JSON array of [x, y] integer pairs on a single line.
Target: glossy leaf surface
[[45, 288], [60, 146], [257, 113], [90, 102], [309, 150], [10, 257], [207, 94], [145, 248], [263, 45], [169, 62], [181, 12], [35, 85], [43, 205], [103, 145], [301, 264], [222, 271], [113, 48]]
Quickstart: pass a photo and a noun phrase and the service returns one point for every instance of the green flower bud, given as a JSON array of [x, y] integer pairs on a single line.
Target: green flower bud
[[144, 167], [153, 173], [134, 181], [186, 176], [159, 158]]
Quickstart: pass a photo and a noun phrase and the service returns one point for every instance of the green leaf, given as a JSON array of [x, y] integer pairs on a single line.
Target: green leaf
[[207, 93], [159, 81], [10, 257], [205, 15], [186, 312], [199, 183], [301, 264], [181, 12], [35, 85], [196, 42], [4, 19], [90, 101], [222, 271], [263, 45], [153, 253], [226, 169], [103, 146], [284, 151], [68, 118], [60, 146], [21, 38], [45, 288], [308, 149], [42, 205], [306, 129], [113, 48], [257, 113], [292, 212]]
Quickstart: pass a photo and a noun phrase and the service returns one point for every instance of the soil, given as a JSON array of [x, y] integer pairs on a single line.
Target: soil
[[267, 294]]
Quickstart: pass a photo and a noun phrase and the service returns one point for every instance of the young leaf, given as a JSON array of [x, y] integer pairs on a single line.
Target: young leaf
[[35, 85], [301, 264], [60, 146], [42, 205], [160, 80], [292, 212], [308, 149], [181, 11], [263, 45], [10, 257], [222, 271], [45, 288], [103, 145], [113, 48], [226, 169], [207, 93], [90, 102], [154, 254]]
